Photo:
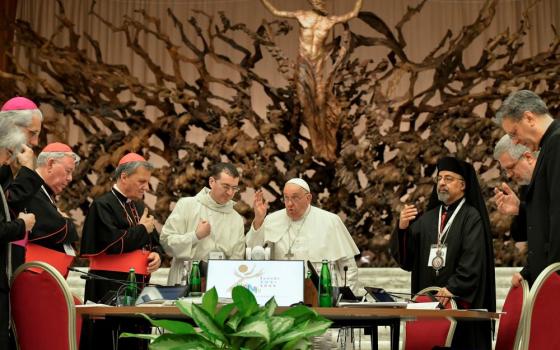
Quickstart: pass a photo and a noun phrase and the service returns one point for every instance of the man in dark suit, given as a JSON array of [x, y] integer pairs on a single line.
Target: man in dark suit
[[525, 118]]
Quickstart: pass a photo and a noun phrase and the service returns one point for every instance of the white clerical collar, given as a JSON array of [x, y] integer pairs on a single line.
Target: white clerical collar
[[116, 188], [302, 217]]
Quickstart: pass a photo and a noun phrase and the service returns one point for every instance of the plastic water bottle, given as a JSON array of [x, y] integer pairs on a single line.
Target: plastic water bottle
[[185, 273], [195, 282], [325, 285], [131, 290]]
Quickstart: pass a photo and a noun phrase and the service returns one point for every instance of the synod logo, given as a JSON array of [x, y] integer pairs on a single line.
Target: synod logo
[[249, 277]]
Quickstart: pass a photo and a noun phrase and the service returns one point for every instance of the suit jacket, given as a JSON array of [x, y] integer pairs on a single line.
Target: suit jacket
[[543, 206]]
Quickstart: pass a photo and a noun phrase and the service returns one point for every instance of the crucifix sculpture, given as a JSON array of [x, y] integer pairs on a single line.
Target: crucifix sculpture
[[320, 109]]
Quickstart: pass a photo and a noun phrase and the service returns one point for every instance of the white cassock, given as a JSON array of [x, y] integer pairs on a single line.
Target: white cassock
[[178, 236], [318, 235]]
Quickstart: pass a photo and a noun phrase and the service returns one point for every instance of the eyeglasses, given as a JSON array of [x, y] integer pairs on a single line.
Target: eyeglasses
[[294, 199], [228, 188], [447, 179]]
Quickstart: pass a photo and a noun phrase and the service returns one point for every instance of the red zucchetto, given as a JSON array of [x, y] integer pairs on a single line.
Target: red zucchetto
[[131, 157], [57, 147]]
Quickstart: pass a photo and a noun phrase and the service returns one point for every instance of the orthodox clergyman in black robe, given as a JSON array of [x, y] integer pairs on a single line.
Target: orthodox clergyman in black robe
[[450, 246], [118, 226]]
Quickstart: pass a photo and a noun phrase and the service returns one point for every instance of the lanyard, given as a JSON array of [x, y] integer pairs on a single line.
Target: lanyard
[[442, 232]]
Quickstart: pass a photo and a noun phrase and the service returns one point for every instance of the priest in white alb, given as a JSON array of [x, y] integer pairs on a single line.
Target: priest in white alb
[[301, 231]]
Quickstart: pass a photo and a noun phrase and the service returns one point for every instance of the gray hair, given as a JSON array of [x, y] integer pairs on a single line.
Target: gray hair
[[505, 145], [518, 103], [130, 168], [21, 117], [43, 157], [11, 137]]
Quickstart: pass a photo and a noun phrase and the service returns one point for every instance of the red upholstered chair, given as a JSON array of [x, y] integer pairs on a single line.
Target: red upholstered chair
[[510, 327], [43, 309], [541, 328], [427, 333]]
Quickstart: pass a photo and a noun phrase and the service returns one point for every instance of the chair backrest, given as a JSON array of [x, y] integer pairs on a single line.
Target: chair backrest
[[510, 327], [428, 333], [43, 309], [541, 329]]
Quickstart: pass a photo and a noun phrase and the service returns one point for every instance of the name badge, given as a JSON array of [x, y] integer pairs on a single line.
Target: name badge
[[437, 256], [216, 256]]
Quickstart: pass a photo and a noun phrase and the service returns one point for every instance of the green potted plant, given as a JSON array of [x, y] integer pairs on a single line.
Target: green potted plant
[[242, 324]]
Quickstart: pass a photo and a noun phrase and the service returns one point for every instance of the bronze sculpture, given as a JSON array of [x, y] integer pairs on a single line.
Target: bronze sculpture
[[321, 111]]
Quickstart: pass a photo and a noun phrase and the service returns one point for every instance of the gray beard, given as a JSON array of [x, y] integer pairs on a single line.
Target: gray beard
[[443, 196]]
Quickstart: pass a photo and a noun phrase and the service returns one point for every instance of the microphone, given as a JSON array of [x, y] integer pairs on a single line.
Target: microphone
[[345, 293], [85, 275]]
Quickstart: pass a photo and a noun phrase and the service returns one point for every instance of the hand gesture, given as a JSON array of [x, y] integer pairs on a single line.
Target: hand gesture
[[203, 229], [506, 200], [26, 157], [147, 220], [516, 279], [408, 214], [260, 207], [28, 219], [444, 296], [154, 262]]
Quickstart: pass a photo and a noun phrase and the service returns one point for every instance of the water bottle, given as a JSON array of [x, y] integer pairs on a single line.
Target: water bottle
[[185, 273], [195, 283], [131, 291], [325, 285]]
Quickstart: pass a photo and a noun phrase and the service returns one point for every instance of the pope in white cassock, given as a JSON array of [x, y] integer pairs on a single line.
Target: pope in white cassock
[[206, 223], [304, 232]]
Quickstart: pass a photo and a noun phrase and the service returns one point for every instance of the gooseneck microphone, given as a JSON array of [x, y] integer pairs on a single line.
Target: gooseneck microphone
[[345, 271]]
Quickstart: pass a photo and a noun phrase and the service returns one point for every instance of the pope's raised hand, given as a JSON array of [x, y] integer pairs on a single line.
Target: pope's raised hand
[[260, 207]]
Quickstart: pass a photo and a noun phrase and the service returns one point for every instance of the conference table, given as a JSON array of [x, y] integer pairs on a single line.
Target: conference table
[[356, 317]]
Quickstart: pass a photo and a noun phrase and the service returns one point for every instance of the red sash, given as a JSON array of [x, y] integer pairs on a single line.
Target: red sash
[[56, 259], [137, 259]]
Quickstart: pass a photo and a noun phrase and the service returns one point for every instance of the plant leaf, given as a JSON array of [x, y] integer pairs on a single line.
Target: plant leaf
[[235, 320], [297, 344], [244, 300], [307, 329], [270, 307], [300, 314], [280, 325], [210, 300], [177, 327], [222, 315], [205, 321], [185, 307], [180, 341], [140, 336], [259, 328]]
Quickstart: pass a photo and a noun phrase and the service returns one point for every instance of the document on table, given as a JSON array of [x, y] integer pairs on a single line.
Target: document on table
[[423, 306], [379, 304]]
